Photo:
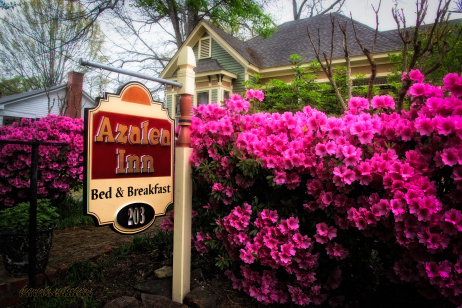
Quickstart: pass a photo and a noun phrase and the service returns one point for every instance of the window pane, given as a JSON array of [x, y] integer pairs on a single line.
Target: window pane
[[202, 98]]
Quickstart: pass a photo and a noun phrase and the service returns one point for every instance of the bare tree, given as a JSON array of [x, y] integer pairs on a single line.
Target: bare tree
[[183, 16], [31, 42], [370, 54], [458, 8], [315, 7], [64, 102], [423, 40], [343, 28], [327, 66]]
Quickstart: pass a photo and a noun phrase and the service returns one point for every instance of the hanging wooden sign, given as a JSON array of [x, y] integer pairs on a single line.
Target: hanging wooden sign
[[128, 176]]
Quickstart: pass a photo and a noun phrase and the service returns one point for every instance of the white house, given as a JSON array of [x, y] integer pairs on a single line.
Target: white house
[[67, 99]]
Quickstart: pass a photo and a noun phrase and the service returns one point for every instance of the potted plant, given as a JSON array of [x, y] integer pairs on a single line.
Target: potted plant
[[14, 236]]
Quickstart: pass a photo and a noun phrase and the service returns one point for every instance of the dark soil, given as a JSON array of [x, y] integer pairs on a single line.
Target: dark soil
[[118, 280], [112, 279]]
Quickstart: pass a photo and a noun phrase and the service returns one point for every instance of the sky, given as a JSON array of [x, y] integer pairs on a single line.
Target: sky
[[362, 12]]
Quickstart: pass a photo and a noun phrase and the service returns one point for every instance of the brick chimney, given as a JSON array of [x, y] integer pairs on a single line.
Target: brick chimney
[[74, 94]]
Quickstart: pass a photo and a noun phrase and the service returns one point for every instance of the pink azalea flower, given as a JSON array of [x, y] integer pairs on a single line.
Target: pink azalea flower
[[246, 256], [358, 103], [457, 173], [453, 83], [326, 198], [444, 126], [217, 187], [280, 177], [450, 157], [292, 223], [417, 89], [321, 150], [383, 101], [324, 233], [424, 126], [381, 208], [336, 251], [416, 75]]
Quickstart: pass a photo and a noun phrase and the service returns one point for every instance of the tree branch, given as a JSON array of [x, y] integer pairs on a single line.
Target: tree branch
[[327, 68]]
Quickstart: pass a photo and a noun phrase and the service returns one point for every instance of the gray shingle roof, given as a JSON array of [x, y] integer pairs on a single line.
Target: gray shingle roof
[[207, 66], [24, 95], [392, 35], [292, 37]]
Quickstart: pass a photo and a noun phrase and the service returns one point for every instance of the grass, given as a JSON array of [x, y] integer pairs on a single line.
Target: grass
[[71, 212]]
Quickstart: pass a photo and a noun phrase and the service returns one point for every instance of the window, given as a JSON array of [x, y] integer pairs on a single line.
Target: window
[[205, 48], [226, 95], [202, 98], [177, 106]]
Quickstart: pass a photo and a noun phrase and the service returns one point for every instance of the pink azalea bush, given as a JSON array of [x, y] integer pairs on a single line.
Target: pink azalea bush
[[60, 168], [288, 194]]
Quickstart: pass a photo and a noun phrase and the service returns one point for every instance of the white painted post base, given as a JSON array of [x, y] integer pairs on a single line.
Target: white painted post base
[[182, 225]]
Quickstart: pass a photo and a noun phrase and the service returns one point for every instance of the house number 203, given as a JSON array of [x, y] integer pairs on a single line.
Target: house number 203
[[136, 216]]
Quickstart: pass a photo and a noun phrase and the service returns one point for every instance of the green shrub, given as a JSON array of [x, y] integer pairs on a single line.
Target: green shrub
[[16, 218]]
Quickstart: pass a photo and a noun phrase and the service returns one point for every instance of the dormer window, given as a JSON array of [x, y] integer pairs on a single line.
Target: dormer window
[[205, 48]]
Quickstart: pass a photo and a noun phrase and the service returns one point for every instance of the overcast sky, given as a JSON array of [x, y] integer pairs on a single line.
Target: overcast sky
[[362, 12]]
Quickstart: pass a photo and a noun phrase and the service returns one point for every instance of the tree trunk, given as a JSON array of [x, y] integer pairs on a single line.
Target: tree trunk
[[372, 79], [402, 93], [405, 53], [348, 72], [173, 14], [337, 92]]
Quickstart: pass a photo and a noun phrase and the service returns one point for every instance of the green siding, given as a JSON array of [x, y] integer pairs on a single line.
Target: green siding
[[169, 105], [214, 96], [228, 62]]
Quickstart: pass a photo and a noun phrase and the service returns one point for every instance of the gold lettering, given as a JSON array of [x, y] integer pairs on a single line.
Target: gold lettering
[[165, 139], [121, 137], [120, 161], [144, 125], [148, 164], [135, 135], [105, 130], [133, 164], [154, 135]]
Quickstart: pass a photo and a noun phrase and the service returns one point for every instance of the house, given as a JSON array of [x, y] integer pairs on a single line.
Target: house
[[67, 99], [224, 63]]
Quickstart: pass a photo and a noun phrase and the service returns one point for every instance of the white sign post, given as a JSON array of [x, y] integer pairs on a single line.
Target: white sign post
[[183, 181]]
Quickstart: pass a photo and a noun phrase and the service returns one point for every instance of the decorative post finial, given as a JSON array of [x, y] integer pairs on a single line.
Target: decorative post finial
[[186, 76]]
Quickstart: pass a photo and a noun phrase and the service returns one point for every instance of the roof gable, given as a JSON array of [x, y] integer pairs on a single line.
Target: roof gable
[[291, 38], [229, 43]]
